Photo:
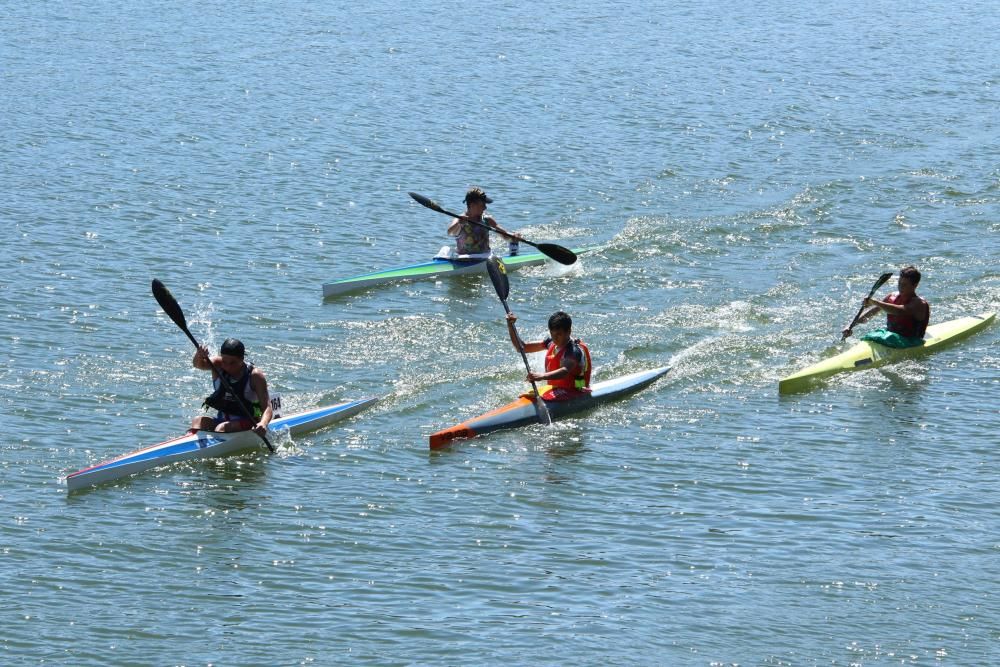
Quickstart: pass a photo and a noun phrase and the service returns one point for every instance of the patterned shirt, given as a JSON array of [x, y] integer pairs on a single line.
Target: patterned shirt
[[473, 239]]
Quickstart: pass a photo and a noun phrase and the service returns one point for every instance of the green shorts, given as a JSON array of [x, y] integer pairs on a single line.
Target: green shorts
[[891, 339]]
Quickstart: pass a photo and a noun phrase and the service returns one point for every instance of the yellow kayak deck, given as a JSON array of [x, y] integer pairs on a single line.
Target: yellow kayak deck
[[872, 355]]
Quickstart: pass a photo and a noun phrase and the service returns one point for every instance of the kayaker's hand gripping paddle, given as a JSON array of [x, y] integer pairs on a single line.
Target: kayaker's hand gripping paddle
[[878, 283]]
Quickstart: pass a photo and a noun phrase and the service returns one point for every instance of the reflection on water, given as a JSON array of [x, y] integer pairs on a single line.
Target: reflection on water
[[237, 471], [564, 440], [228, 490], [564, 449], [743, 185]]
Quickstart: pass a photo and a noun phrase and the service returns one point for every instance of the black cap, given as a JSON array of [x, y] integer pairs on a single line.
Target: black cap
[[477, 194], [233, 347]]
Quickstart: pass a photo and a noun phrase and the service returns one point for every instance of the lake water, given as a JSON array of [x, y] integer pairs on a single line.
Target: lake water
[[749, 169]]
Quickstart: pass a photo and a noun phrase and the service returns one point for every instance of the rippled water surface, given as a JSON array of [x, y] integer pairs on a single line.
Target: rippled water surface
[[748, 171]]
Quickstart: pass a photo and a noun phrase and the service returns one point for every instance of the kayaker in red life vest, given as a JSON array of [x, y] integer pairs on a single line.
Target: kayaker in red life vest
[[246, 381], [907, 314], [567, 360], [473, 239]]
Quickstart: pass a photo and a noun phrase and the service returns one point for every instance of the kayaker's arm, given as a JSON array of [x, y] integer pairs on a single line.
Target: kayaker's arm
[[886, 306], [551, 375], [914, 308], [516, 341], [503, 232], [203, 360], [455, 227], [569, 367], [259, 384], [867, 315]]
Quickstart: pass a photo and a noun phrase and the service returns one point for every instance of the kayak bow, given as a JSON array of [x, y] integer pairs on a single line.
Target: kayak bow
[[209, 444], [438, 267], [872, 355], [523, 411]]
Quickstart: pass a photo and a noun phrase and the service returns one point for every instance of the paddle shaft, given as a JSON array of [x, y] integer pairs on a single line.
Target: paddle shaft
[[173, 310], [539, 401], [430, 203], [878, 283], [498, 276]]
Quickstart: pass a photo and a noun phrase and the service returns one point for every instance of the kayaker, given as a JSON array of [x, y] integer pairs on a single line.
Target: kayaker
[[907, 314], [246, 381], [471, 238], [567, 360]]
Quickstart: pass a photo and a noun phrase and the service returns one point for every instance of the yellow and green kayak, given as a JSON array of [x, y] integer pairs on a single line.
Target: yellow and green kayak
[[872, 355]]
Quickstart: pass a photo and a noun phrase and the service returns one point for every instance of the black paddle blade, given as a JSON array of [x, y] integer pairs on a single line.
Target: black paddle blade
[[498, 275], [557, 252], [429, 203], [882, 279], [169, 304]]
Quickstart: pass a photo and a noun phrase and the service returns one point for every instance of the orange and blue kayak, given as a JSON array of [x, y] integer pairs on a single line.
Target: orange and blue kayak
[[523, 411], [209, 444]]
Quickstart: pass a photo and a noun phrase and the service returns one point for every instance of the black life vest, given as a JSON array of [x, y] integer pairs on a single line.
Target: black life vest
[[223, 401]]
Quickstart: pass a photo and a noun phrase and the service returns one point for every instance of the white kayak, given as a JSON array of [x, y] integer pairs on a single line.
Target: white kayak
[[209, 444]]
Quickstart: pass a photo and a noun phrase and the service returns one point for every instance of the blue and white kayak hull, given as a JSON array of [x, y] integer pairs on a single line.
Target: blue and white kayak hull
[[209, 444]]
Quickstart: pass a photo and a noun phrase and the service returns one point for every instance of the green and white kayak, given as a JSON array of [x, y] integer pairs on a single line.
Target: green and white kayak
[[872, 355], [438, 267]]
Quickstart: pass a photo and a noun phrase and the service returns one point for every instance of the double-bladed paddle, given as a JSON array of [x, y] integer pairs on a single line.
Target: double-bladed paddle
[[498, 275], [878, 283], [556, 252], [173, 310]]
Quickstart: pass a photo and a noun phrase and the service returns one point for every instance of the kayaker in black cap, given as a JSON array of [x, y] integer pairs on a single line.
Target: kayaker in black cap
[[248, 382], [473, 239]]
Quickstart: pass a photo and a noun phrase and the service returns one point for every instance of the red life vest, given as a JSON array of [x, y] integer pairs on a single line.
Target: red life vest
[[903, 323], [554, 359]]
